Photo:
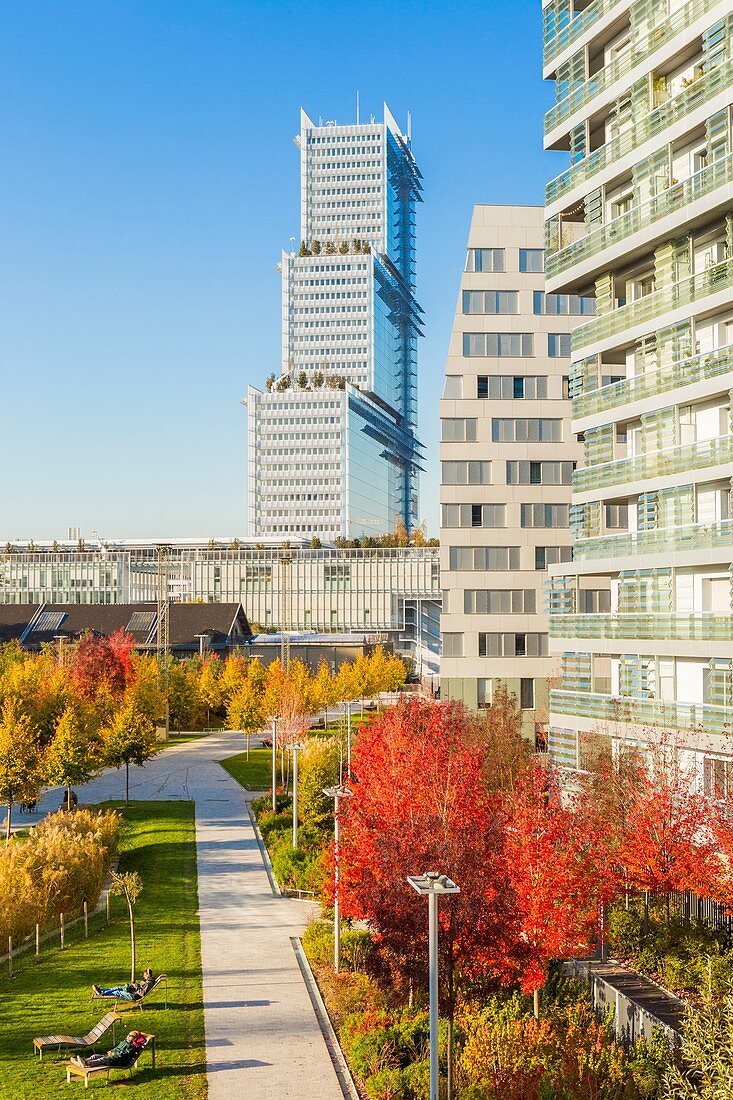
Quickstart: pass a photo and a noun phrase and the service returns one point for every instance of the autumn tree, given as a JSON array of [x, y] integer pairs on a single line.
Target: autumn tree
[[498, 729], [21, 773], [129, 885], [210, 690], [245, 711], [102, 663], [72, 758], [129, 739]]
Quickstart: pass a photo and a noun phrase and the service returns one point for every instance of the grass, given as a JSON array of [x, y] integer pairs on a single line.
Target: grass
[[254, 774], [52, 996]]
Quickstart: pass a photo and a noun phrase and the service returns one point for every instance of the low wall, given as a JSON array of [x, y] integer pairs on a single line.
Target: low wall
[[639, 1005]]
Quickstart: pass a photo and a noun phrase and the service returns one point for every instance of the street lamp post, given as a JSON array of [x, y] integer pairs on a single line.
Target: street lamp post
[[336, 793], [295, 750], [348, 738], [274, 764], [432, 884]]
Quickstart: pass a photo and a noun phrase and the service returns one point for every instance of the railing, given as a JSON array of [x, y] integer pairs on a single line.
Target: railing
[[577, 27], [682, 293], [635, 55], [662, 380], [690, 456], [659, 540], [674, 198], [643, 712], [683, 628], [703, 89]]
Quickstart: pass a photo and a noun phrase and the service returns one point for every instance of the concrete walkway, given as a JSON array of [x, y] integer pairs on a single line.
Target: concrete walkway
[[263, 1039]]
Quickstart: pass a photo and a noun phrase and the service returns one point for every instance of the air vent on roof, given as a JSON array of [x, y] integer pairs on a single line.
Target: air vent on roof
[[141, 622], [48, 620]]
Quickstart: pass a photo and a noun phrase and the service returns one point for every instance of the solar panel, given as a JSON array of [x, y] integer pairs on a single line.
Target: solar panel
[[49, 620], [140, 622]]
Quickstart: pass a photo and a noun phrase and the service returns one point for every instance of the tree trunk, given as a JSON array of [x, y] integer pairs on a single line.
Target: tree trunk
[[645, 926], [127, 781], [449, 1058], [7, 827], [132, 939], [536, 1004]]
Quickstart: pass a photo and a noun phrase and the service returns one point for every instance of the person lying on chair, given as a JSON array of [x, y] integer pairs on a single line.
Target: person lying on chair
[[133, 991], [121, 1056]]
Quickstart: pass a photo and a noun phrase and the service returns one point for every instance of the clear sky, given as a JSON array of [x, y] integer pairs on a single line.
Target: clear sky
[[150, 180]]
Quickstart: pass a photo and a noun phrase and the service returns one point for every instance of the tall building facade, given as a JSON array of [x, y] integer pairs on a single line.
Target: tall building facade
[[332, 444], [507, 458], [643, 218]]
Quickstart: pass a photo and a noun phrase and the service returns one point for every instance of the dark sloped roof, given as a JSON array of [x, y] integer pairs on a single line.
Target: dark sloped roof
[[14, 619]]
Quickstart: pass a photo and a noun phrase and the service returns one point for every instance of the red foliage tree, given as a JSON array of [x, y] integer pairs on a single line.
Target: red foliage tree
[[103, 664], [420, 804], [555, 864]]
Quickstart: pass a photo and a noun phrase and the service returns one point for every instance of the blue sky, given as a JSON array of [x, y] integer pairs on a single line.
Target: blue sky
[[149, 182]]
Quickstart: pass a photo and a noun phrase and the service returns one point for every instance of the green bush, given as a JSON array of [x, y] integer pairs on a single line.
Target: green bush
[[318, 943], [271, 824]]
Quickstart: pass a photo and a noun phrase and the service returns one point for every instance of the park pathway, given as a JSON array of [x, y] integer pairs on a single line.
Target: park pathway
[[263, 1040]]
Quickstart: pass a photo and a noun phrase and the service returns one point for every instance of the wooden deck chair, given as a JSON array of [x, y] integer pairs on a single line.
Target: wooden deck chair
[[87, 1072], [120, 1002], [85, 1041]]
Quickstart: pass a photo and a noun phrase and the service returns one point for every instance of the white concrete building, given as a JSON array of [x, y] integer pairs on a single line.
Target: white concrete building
[[507, 457]]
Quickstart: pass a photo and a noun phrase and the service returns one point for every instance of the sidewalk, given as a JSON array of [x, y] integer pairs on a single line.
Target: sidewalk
[[263, 1040]]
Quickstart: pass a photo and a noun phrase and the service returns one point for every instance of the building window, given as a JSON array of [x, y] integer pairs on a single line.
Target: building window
[[453, 388], [551, 555], [452, 645], [526, 693], [490, 301], [508, 430], [563, 305], [594, 601], [558, 345], [531, 259], [539, 473], [466, 473], [617, 516], [482, 558], [544, 515], [473, 515], [498, 344], [455, 430], [500, 601], [512, 387], [717, 777], [485, 259], [566, 387], [512, 645], [484, 692]]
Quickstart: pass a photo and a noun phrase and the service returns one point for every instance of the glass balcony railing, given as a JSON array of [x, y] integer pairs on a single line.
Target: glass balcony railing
[[703, 89], [662, 380], [675, 198], [577, 27], [693, 536], [653, 464], [654, 305], [637, 54], [649, 625], [672, 716]]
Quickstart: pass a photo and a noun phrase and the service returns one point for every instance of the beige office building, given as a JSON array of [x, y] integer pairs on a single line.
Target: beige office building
[[507, 458]]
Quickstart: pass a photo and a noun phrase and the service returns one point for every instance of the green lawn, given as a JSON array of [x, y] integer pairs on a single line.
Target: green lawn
[[52, 996], [254, 774]]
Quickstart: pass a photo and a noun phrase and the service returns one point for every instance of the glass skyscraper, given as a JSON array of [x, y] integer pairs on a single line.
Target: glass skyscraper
[[332, 444]]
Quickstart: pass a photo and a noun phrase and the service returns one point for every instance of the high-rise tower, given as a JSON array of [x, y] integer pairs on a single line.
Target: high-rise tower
[[332, 445]]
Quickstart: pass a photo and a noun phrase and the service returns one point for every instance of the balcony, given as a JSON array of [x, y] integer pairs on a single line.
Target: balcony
[[651, 383], [695, 717], [664, 540], [655, 464], [675, 109], [655, 305], [577, 27], [674, 199], [635, 55], [649, 625]]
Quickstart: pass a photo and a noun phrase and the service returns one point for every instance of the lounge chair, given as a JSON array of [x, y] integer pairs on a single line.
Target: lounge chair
[[87, 1072], [120, 1002], [86, 1041]]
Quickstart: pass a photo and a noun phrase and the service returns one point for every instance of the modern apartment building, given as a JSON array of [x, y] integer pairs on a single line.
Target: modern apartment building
[[332, 446], [392, 591], [643, 219], [507, 458]]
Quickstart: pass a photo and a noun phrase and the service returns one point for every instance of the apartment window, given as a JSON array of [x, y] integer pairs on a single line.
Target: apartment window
[[484, 692], [500, 601], [490, 301], [452, 645], [717, 777], [455, 430], [594, 601], [526, 693], [485, 259], [551, 555], [512, 645], [544, 515], [617, 516], [466, 473], [453, 388], [473, 515], [558, 345], [531, 259], [566, 387], [512, 387], [494, 558], [539, 473], [563, 305], [498, 344], [521, 430]]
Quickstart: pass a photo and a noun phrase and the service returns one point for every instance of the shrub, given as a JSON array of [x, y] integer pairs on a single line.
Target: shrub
[[318, 943]]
